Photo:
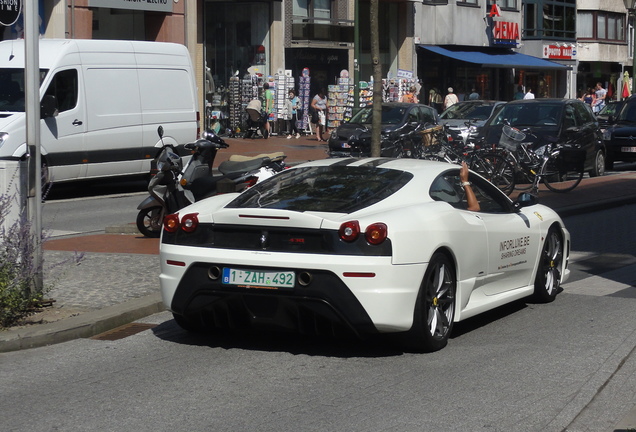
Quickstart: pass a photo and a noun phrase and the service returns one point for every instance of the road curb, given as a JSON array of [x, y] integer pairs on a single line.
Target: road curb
[[84, 325]]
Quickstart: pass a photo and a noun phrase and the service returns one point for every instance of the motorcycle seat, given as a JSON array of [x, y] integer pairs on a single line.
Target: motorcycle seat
[[229, 167], [274, 157]]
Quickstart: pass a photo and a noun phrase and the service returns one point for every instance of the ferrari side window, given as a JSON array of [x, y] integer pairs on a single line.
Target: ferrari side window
[[443, 189], [490, 200]]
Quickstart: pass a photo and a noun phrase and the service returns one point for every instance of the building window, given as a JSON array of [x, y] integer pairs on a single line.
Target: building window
[[600, 25], [545, 19], [468, 2], [507, 4], [316, 9]]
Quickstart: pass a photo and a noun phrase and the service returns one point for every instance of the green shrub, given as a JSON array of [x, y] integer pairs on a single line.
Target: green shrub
[[20, 294]]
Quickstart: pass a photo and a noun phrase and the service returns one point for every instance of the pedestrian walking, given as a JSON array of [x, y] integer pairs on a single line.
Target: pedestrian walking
[[473, 95], [295, 104], [409, 97], [450, 99], [529, 94], [319, 114], [599, 102], [268, 107], [435, 99], [589, 96]]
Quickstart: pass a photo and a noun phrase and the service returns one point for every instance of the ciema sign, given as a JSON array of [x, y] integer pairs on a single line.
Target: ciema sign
[[10, 11], [502, 33]]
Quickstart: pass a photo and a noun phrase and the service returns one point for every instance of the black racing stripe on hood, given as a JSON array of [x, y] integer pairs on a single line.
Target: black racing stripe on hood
[[377, 162], [346, 161]]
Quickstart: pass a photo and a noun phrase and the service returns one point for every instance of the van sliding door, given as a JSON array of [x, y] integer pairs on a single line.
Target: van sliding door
[[114, 130]]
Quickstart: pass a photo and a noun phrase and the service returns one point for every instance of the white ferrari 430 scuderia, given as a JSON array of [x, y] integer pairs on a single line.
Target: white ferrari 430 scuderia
[[370, 245]]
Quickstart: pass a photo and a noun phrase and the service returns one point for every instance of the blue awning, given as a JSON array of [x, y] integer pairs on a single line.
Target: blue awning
[[495, 59]]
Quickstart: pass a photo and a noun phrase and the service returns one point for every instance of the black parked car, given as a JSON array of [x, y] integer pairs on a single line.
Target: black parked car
[[466, 118], [620, 137], [607, 115], [565, 121], [402, 124]]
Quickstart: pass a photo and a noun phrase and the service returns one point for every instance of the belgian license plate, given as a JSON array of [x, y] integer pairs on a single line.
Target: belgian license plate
[[628, 149], [259, 278]]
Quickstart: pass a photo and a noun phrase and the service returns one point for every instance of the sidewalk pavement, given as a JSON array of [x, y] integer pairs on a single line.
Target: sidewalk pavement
[[117, 280]]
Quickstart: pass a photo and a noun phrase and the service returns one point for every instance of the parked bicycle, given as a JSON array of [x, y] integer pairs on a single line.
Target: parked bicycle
[[559, 166], [494, 166]]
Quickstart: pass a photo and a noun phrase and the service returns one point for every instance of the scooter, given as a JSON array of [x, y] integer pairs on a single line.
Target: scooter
[[174, 188]]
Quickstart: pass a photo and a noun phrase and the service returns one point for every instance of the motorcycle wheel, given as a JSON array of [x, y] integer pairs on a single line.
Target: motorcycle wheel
[[149, 221]]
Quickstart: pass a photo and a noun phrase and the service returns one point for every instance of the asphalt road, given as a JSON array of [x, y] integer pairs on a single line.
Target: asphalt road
[[564, 366]]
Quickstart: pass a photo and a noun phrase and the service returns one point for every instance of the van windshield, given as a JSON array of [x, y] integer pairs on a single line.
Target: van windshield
[[12, 88]]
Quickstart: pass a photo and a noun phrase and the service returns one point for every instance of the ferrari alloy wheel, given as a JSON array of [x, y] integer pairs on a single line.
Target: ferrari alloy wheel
[[548, 279], [435, 307]]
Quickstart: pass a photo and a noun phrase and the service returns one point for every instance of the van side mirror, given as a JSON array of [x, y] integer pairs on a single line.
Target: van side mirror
[[48, 107], [160, 131]]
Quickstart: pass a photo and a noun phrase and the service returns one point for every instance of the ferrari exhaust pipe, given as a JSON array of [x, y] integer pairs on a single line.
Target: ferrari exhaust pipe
[[214, 273], [304, 278]]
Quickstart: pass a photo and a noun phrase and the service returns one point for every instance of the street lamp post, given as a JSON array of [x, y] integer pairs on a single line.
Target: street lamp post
[[630, 5]]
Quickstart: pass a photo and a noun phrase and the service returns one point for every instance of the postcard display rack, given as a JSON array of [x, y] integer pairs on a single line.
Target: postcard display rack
[[304, 98], [284, 83], [392, 90], [241, 92], [340, 105]]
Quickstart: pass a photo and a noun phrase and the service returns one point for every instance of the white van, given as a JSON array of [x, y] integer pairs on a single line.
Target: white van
[[102, 101]]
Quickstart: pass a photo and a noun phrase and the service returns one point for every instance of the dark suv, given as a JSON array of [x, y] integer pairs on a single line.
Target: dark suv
[[620, 136], [552, 120]]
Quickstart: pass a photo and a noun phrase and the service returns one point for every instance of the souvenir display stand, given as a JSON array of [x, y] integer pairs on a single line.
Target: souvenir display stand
[[304, 96], [284, 83], [340, 105]]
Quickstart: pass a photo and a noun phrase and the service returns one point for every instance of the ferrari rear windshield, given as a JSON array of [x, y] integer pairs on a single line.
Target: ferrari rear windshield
[[335, 188]]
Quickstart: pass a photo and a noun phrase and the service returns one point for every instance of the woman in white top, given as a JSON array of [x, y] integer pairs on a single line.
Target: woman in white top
[[319, 114]]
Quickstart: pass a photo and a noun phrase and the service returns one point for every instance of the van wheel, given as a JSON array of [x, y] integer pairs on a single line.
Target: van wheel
[[149, 221]]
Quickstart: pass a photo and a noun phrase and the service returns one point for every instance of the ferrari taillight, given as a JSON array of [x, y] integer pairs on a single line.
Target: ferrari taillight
[[190, 222], [171, 222], [376, 233], [349, 231]]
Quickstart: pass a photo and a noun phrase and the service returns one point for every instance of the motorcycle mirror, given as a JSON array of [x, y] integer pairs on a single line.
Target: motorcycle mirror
[[160, 131]]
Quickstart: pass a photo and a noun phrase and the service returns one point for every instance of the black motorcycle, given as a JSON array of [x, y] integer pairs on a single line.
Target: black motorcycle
[[174, 188]]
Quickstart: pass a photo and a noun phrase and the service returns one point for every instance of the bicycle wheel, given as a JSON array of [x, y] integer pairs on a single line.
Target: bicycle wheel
[[499, 170], [559, 176]]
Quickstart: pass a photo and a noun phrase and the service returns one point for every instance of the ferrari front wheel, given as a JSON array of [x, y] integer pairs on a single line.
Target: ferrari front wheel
[[548, 279], [435, 306]]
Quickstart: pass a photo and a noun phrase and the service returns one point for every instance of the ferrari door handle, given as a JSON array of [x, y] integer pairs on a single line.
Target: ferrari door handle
[[77, 122]]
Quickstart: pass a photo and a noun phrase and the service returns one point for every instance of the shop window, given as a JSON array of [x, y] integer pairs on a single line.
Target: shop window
[[550, 19], [601, 25]]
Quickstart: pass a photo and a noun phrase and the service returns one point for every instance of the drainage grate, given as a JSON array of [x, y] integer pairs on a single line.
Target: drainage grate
[[123, 331]]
